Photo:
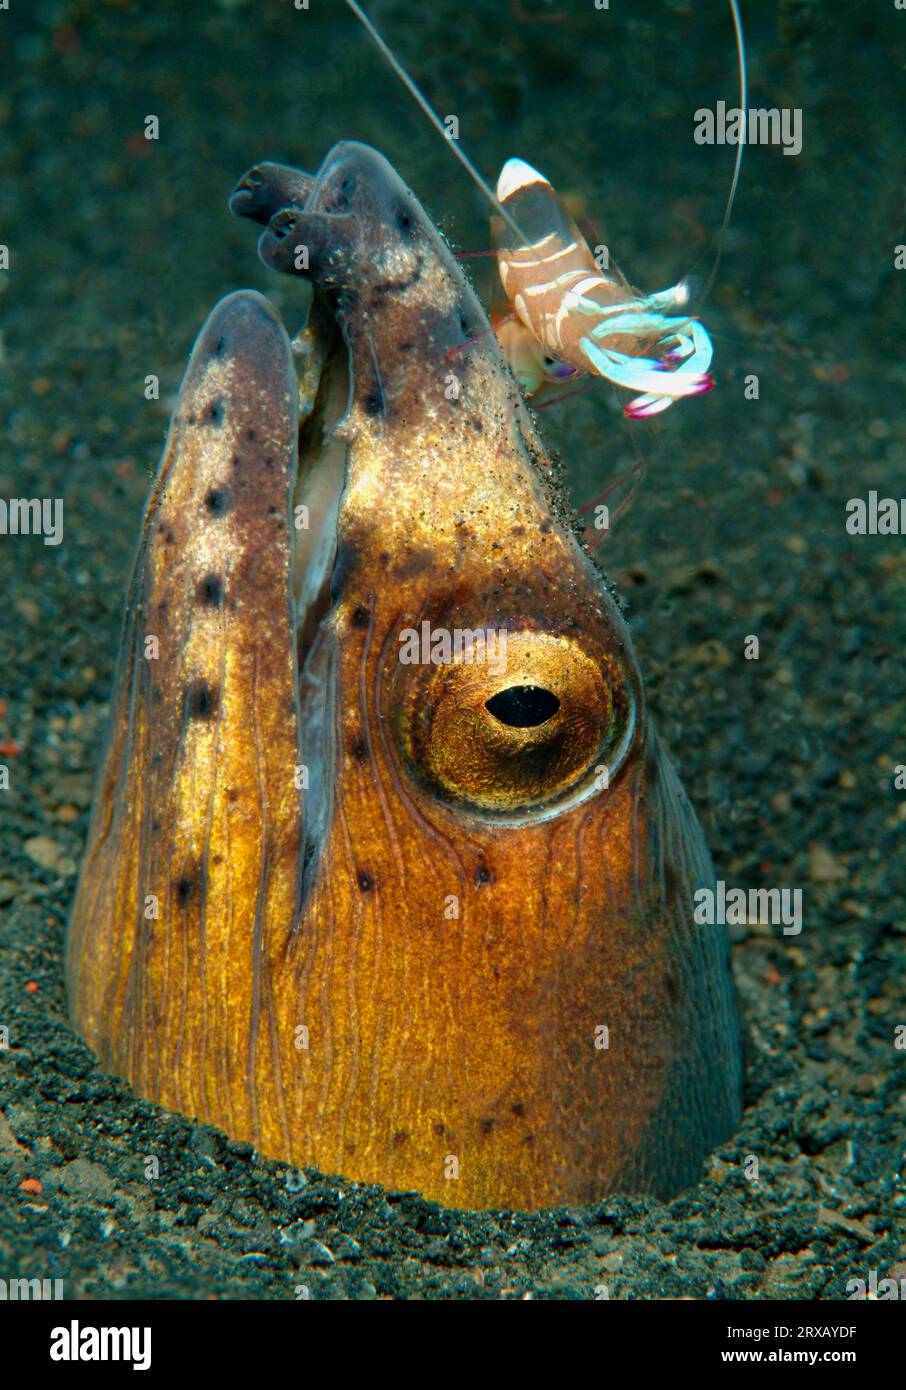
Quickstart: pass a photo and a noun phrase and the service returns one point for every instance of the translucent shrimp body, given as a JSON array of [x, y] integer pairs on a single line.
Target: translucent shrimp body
[[589, 319]]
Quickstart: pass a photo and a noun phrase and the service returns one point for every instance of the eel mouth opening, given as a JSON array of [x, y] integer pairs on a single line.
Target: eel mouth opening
[[324, 385]]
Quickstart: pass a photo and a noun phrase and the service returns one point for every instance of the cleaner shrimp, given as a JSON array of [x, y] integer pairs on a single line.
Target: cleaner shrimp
[[569, 316]]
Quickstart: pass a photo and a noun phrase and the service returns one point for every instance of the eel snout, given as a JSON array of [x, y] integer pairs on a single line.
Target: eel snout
[[363, 240]]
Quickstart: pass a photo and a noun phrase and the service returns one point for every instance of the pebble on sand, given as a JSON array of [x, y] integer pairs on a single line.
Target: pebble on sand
[[823, 867], [44, 851]]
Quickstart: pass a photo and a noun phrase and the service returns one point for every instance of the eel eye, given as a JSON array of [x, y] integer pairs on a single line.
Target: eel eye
[[519, 726], [523, 706]]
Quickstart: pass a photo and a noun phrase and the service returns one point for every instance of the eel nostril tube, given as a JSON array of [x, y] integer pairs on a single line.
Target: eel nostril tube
[[283, 223], [267, 188]]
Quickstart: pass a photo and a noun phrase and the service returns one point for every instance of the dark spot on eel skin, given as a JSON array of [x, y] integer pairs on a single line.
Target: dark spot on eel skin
[[183, 891], [218, 501], [404, 221], [215, 412], [487, 1126], [366, 883], [401, 1137], [232, 794], [250, 433], [219, 348], [201, 700], [416, 562], [210, 591], [343, 565], [359, 616], [483, 875], [440, 1129], [358, 749], [518, 1109], [374, 403]]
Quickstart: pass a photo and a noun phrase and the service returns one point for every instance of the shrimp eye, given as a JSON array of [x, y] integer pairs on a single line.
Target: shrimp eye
[[522, 722]]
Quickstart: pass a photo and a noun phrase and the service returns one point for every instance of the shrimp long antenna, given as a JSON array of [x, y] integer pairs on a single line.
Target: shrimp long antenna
[[743, 99], [435, 120]]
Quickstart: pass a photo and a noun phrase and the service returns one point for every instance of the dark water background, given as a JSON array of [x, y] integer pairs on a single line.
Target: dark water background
[[118, 249]]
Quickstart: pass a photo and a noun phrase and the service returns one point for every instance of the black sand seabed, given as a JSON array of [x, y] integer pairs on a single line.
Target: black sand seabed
[[118, 248]]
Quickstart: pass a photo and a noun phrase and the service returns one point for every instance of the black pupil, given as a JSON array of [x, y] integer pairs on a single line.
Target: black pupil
[[523, 706]]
